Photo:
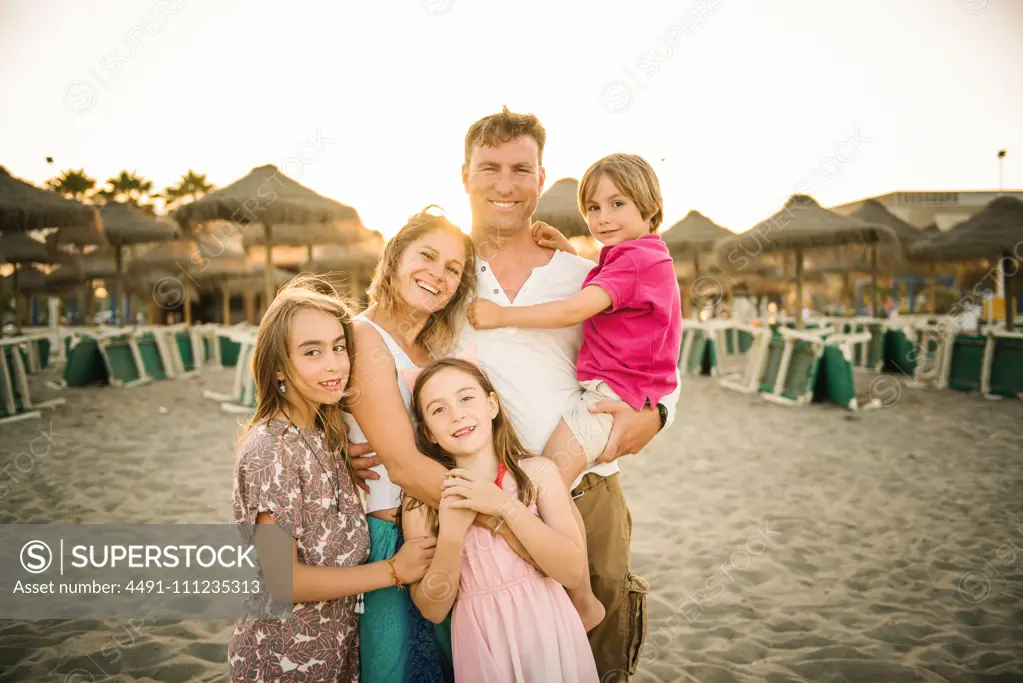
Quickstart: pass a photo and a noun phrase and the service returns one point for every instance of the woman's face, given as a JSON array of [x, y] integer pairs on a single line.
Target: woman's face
[[319, 358], [457, 413], [430, 269]]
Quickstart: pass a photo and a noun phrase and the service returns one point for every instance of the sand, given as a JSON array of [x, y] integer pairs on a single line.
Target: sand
[[781, 544]]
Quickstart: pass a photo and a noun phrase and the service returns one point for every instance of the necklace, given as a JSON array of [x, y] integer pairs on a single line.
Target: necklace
[[336, 483]]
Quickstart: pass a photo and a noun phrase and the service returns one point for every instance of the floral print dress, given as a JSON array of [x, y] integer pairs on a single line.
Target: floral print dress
[[277, 471]]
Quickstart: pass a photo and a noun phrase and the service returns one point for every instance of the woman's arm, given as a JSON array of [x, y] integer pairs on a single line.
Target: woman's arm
[[486, 315], [381, 414], [314, 584], [436, 593]]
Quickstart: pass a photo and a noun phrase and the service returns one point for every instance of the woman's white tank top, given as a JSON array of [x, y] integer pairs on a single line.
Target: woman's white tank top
[[384, 494]]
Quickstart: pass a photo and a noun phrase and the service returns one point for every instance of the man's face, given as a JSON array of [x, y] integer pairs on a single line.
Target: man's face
[[504, 183]]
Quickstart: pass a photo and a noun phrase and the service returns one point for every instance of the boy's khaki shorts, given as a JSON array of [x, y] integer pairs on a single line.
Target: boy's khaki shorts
[[591, 430]]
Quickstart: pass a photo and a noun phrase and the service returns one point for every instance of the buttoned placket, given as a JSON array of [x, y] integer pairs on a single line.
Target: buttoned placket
[[492, 287]]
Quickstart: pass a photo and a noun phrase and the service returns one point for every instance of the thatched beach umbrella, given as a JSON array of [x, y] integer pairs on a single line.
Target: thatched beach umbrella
[[692, 236], [355, 264], [238, 275], [873, 211], [802, 224], [269, 197], [99, 264], [309, 235], [34, 281], [25, 207], [123, 226], [559, 208], [21, 249], [995, 232], [190, 261]]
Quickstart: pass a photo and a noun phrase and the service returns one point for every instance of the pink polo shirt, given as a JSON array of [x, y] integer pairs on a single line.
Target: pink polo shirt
[[634, 345]]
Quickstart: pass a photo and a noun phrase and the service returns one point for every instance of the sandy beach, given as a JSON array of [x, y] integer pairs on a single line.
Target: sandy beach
[[781, 544]]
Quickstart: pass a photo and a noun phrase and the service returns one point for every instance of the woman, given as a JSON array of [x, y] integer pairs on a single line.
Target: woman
[[418, 298]]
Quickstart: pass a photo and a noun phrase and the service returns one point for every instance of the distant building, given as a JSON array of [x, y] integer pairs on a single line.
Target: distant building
[[923, 209]]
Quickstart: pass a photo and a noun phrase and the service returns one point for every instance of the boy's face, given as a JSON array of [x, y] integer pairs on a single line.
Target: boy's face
[[612, 217]]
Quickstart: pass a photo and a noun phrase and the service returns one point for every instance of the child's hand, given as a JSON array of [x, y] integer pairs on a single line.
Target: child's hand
[[484, 314], [414, 558], [452, 520], [551, 238], [469, 492]]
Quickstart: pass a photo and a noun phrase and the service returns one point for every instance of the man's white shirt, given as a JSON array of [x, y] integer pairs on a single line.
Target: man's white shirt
[[533, 370]]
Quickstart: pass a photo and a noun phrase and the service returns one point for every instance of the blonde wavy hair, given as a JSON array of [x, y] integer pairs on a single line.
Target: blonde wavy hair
[[271, 356], [440, 333]]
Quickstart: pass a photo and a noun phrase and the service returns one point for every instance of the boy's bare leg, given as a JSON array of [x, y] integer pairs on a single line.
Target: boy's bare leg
[[565, 452]]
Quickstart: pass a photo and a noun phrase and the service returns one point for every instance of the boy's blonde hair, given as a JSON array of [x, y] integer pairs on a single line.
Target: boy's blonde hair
[[634, 178]]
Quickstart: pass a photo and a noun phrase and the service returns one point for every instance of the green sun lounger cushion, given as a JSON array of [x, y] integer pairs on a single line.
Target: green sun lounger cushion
[[1007, 367], [184, 341], [122, 361], [899, 353], [967, 362], [229, 351], [151, 358], [835, 381], [85, 364]]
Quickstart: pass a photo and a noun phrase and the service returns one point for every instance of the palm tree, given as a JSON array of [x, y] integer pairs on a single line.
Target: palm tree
[[73, 184], [192, 186], [129, 188]]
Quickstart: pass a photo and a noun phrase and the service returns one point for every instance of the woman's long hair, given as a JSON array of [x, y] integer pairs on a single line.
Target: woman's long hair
[[441, 330], [507, 446], [271, 356]]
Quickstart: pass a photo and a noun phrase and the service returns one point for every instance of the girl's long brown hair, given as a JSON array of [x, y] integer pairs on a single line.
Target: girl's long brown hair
[[271, 356], [441, 329], [507, 446]]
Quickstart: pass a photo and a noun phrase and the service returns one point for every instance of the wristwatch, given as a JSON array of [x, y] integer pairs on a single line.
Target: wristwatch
[[663, 412]]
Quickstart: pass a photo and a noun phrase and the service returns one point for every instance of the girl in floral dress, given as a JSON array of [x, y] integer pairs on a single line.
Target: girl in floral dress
[[293, 471]]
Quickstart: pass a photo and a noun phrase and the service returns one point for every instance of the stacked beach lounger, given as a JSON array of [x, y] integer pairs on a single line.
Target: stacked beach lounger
[[934, 352], [793, 367], [236, 345], [128, 357], [19, 357]]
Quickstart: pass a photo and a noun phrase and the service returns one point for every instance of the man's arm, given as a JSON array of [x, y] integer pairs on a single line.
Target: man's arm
[[565, 313]]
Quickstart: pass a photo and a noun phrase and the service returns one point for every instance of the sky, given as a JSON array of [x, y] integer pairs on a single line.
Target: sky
[[737, 103]]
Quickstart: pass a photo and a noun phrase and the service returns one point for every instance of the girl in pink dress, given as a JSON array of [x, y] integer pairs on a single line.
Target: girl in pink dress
[[511, 621]]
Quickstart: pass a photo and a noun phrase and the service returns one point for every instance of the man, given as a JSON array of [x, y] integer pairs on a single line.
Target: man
[[533, 370]]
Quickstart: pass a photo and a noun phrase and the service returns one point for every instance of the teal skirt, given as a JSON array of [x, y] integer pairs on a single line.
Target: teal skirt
[[396, 643]]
